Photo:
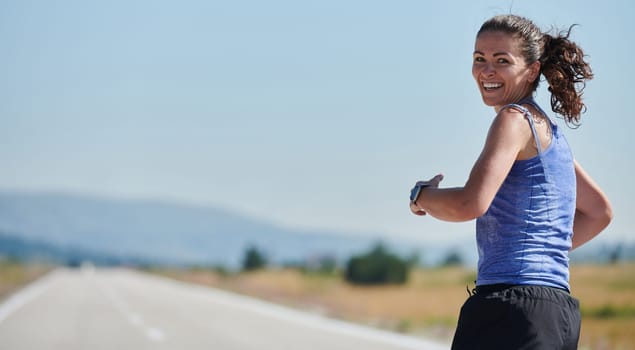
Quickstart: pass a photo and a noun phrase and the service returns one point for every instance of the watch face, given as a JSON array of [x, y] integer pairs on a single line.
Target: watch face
[[414, 192]]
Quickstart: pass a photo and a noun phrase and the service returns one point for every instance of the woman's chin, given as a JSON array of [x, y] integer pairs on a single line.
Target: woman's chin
[[488, 101]]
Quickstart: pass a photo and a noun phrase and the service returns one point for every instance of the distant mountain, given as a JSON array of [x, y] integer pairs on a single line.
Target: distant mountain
[[71, 228], [156, 232], [21, 249]]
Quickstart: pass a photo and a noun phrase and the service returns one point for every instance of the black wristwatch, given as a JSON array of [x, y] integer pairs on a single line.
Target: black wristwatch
[[416, 191]]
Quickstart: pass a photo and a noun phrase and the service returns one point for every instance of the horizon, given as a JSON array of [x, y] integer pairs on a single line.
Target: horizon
[[75, 233]]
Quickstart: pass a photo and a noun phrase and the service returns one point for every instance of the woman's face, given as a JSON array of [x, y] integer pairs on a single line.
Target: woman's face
[[500, 70]]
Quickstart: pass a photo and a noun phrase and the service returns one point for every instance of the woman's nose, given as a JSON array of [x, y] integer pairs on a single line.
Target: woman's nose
[[488, 69]]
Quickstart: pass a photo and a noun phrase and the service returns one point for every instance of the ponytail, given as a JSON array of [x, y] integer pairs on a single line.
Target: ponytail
[[563, 65]]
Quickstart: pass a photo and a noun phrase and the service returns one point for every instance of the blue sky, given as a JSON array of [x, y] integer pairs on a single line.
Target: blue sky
[[311, 114]]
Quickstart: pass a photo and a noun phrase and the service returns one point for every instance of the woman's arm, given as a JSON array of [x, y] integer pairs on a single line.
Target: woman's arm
[[508, 134], [593, 210]]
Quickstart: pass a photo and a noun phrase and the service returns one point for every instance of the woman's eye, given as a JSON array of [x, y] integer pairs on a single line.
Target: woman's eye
[[502, 60], [479, 59]]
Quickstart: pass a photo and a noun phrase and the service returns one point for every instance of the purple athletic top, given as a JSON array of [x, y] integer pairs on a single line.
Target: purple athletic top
[[525, 235]]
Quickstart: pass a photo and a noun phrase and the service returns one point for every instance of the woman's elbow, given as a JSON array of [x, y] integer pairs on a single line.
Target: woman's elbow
[[607, 214], [474, 209], [475, 202], [603, 212], [602, 215]]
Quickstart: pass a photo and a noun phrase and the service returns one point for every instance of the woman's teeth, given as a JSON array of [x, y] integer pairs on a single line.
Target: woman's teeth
[[491, 86]]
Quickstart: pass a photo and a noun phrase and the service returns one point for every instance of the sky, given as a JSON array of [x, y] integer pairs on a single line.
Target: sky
[[309, 114]]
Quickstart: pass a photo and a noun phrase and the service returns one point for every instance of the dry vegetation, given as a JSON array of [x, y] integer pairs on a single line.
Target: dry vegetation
[[429, 304], [607, 297], [14, 276]]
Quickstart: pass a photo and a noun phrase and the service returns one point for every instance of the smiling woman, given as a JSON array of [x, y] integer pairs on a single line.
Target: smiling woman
[[500, 70], [533, 202]]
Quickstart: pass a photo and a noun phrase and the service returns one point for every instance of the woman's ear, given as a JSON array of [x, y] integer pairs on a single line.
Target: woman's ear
[[534, 72]]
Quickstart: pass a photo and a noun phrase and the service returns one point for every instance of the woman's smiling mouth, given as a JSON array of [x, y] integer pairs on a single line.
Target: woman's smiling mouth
[[491, 86]]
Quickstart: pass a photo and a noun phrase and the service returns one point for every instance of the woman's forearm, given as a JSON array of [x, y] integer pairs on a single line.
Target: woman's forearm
[[449, 204]]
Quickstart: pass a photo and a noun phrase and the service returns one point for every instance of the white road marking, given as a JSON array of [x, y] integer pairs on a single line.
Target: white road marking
[[115, 294], [25, 295], [152, 333]]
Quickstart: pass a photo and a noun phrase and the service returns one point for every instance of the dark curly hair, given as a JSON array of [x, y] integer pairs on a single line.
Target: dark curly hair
[[561, 62]]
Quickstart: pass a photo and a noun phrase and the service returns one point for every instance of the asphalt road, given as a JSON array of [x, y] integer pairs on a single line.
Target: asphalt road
[[125, 309]]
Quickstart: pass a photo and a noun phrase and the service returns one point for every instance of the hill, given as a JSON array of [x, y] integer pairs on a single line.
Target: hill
[[107, 229]]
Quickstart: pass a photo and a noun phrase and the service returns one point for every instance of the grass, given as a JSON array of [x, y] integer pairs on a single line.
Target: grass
[[607, 303], [429, 303], [14, 275]]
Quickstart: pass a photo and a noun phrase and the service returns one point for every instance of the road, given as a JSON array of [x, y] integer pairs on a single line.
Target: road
[[126, 309]]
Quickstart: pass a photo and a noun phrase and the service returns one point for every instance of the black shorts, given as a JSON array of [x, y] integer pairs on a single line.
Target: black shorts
[[518, 317]]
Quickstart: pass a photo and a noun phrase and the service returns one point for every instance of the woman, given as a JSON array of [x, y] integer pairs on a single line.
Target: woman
[[533, 202]]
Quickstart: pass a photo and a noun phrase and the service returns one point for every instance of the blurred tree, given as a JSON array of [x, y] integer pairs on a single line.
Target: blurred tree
[[254, 259], [615, 253], [377, 267], [452, 259]]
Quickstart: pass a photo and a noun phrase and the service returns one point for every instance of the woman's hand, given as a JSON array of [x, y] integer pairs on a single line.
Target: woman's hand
[[432, 183]]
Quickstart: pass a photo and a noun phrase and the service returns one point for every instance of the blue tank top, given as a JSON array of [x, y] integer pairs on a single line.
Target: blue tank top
[[525, 235]]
